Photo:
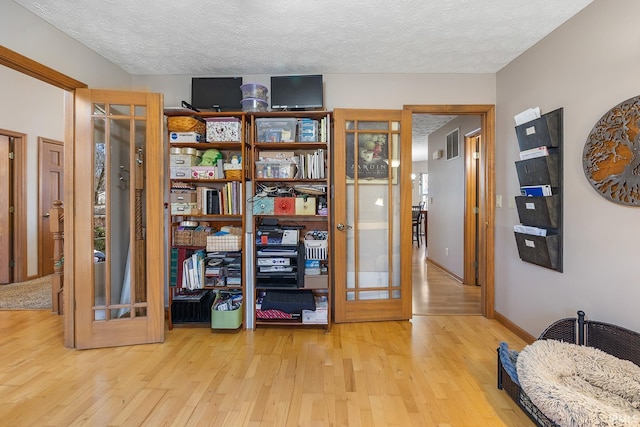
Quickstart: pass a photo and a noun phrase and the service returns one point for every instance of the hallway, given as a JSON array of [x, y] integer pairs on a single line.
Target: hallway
[[437, 293]]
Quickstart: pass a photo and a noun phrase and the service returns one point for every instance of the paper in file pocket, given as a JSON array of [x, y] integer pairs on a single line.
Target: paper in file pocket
[[536, 190]]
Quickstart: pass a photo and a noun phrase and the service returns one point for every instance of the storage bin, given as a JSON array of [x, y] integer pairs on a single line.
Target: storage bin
[[225, 319], [251, 105], [221, 129], [316, 249], [226, 242], [275, 169], [254, 90], [307, 130], [263, 205], [276, 130]]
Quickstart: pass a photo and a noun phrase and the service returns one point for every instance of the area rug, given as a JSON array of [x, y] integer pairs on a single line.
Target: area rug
[[30, 295]]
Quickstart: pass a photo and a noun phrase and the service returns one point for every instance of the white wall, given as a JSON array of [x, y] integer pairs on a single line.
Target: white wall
[[30, 106], [445, 235], [586, 66], [417, 168]]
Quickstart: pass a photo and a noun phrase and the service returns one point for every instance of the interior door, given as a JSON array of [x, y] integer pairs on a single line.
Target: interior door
[[117, 214], [51, 189], [372, 215], [6, 241]]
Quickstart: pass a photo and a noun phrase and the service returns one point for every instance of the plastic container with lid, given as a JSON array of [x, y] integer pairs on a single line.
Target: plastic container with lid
[[254, 105], [254, 90]]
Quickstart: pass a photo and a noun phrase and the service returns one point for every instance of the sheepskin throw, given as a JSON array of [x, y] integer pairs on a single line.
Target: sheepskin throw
[[580, 386]]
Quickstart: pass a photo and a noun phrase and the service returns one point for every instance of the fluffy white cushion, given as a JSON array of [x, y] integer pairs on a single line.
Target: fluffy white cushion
[[580, 386]]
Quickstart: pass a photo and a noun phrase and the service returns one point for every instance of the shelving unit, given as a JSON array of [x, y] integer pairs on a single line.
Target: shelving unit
[[539, 172], [213, 198], [292, 186]]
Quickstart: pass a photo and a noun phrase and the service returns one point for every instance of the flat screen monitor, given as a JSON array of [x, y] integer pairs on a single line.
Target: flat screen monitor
[[216, 93], [296, 92]]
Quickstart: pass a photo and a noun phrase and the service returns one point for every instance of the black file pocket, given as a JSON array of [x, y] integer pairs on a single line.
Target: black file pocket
[[539, 211], [540, 250], [545, 131], [539, 171], [540, 203]]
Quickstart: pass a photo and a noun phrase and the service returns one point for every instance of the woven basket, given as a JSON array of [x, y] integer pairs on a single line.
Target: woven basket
[[185, 124], [233, 174], [200, 237], [182, 237]]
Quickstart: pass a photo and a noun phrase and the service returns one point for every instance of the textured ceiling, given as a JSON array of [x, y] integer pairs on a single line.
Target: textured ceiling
[[223, 37], [236, 38]]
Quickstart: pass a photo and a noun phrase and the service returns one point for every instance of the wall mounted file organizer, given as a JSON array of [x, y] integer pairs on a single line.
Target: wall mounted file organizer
[[541, 214]]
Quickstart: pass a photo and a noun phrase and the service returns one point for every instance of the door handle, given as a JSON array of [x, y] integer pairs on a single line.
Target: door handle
[[342, 227], [47, 215]]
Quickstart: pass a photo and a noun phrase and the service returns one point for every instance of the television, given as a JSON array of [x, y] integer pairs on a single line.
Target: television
[[216, 93], [296, 92]]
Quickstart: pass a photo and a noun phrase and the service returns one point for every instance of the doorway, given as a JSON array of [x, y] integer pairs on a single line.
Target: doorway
[[50, 189], [13, 211], [484, 194]]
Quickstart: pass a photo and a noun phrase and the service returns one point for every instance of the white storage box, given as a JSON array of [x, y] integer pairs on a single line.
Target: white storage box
[[183, 160], [176, 172], [223, 129], [316, 249], [185, 137], [226, 242], [275, 169]]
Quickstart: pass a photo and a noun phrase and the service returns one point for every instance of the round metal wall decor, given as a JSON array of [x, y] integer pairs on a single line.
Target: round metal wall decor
[[611, 156]]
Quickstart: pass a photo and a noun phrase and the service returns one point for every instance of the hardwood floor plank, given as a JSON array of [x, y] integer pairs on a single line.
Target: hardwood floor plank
[[430, 371]]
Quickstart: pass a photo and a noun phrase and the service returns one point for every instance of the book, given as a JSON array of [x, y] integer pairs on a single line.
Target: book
[[534, 152], [536, 190]]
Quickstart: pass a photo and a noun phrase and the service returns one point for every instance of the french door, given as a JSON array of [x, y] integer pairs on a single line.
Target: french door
[[115, 219], [372, 215]]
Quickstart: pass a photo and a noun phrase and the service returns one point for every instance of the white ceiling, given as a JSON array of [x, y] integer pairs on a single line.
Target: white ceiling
[[229, 38]]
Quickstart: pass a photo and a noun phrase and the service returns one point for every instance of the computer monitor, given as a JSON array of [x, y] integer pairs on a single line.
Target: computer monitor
[[296, 92], [216, 93]]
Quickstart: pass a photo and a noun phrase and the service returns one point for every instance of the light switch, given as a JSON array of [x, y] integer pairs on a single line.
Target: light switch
[[512, 202], [499, 201]]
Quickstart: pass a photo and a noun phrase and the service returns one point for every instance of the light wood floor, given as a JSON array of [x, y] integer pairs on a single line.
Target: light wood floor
[[431, 371], [436, 292]]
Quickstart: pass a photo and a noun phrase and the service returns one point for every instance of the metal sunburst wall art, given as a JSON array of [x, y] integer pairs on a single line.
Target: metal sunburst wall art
[[611, 156]]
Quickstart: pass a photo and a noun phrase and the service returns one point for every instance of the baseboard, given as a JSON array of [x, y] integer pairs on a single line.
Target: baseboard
[[458, 278], [521, 333]]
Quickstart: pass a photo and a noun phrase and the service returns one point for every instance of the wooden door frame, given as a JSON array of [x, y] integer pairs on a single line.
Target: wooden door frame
[[41, 141], [486, 192], [20, 273], [470, 269], [27, 66]]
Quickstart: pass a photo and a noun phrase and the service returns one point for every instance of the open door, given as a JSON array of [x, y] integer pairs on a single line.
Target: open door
[[372, 215], [6, 216], [117, 217]]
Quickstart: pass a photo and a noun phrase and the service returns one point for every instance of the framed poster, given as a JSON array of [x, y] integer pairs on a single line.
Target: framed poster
[[372, 164]]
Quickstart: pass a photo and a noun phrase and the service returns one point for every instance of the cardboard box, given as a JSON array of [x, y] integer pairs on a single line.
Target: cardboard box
[[183, 196], [176, 172], [305, 205], [284, 206], [182, 208], [316, 281], [183, 160], [185, 137], [263, 205], [221, 129]]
